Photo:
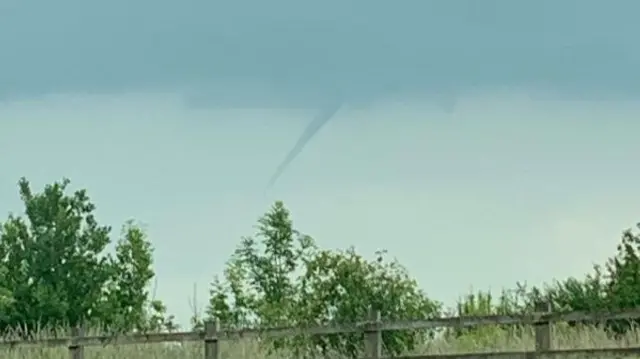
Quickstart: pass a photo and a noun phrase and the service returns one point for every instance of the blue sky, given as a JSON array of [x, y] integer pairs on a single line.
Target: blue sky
[[481, 143]]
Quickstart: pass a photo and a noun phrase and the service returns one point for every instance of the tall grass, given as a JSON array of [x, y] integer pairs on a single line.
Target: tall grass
[[492, 339]]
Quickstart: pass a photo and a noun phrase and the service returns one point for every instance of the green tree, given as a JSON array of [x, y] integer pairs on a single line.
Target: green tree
[[623, 280], [280, 277], [56, 269], [341, 286], [612, 287]]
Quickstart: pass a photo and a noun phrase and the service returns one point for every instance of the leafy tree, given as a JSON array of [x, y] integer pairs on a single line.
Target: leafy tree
[[342, 285], [623, 279], [573, 294], [280, 277], [616, 286], [56, 270], [157, 318]]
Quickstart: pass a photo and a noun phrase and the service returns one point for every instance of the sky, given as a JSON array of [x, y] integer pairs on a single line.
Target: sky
[[480, 143]]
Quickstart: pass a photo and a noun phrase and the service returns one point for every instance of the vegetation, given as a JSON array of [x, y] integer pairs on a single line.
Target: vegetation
[[282, 278], [59, 267], [56, 270]]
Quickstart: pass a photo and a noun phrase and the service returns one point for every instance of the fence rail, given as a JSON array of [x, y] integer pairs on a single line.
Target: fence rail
[[372, 329]]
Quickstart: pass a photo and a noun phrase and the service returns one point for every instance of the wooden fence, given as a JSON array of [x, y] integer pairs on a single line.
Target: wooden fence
[[372, 329]]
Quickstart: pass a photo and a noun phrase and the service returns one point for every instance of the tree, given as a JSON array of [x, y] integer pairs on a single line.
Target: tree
[[56, 270], [612, 287], [622, 290], [280, 277]]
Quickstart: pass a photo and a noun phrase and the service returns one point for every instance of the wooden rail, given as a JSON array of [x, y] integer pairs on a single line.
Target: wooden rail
[[372, 328]]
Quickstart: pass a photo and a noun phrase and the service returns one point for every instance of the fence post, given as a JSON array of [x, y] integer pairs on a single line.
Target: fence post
[[373, 336], [543, 329], [211, 347], [76, 351]]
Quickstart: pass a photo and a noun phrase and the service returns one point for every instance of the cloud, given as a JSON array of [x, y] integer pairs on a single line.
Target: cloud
[[256, 53]]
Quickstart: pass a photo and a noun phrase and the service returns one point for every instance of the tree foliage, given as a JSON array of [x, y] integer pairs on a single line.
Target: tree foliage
[[56, 269], [614, 286], [281, 277]]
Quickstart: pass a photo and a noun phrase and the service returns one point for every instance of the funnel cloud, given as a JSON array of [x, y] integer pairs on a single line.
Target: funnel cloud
[[312, 129]]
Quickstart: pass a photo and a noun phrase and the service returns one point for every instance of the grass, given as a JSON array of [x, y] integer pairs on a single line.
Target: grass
[[485, 340]]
